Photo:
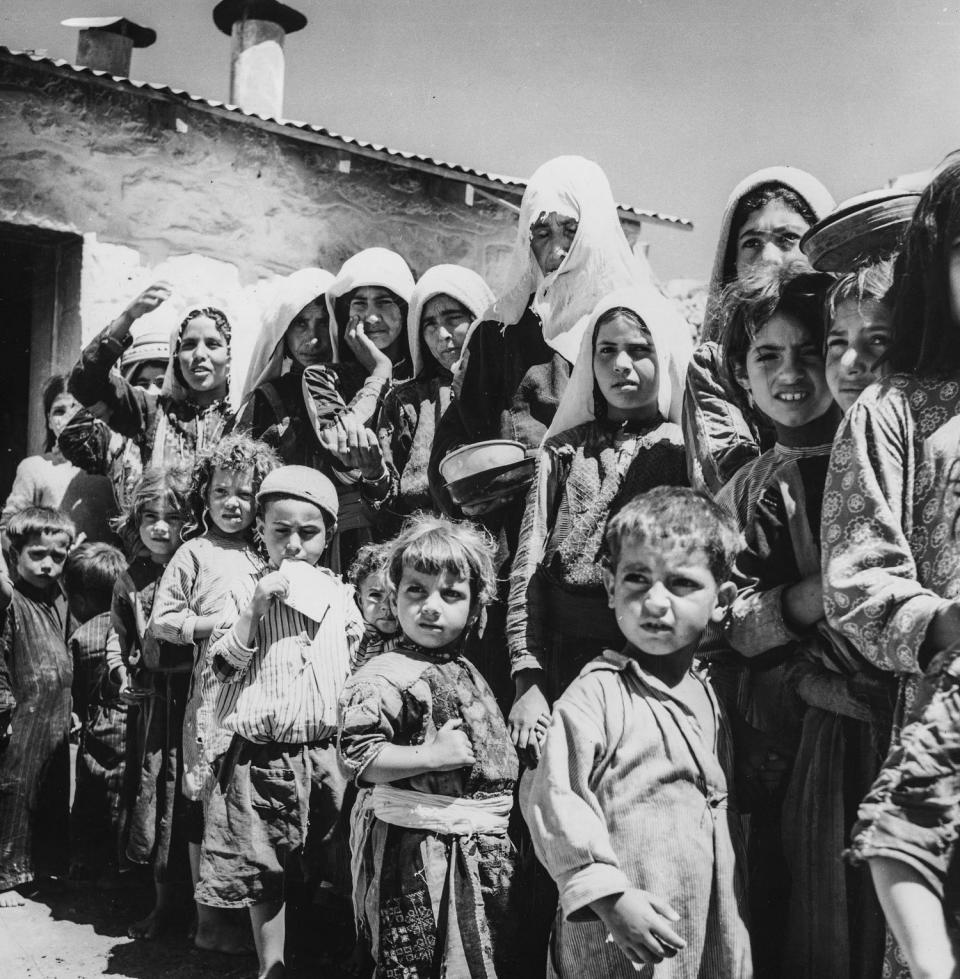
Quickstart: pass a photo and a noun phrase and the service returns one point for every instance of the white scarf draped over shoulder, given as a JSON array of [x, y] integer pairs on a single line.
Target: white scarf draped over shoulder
[[459, 283], [370, 267], [297, 290], [672, 343], [599, 261], [803, 184]]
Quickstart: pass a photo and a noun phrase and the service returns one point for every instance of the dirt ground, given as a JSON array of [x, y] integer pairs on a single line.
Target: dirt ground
[[77, 931]]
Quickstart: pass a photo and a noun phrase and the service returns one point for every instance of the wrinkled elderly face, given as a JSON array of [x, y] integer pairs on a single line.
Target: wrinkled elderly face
[[308, 335], [551, 238]]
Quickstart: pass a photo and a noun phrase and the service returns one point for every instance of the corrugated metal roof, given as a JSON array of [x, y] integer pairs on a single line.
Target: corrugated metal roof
[[513, 185]]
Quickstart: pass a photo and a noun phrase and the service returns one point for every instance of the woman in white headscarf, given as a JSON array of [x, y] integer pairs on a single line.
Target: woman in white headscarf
[[444, 303], [616, 433], [368, 303], [766, 216], [295, 335]]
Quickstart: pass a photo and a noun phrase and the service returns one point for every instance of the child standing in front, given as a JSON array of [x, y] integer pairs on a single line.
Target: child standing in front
[[89, 577], [187, 607], [35, 678], [420, 724], [282, 654], [629, 808], [152, 678]]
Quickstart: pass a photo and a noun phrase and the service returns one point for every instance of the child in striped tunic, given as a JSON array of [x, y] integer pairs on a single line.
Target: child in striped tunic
[[289, 635], [187, 607]]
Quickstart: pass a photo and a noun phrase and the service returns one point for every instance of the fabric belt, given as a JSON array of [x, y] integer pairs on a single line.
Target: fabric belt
[[442, 813]]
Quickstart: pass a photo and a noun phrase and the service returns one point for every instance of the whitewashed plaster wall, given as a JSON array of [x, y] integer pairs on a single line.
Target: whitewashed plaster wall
[[219, 207]]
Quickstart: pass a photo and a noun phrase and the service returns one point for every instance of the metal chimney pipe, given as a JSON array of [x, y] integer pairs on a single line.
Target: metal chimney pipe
[[107, 43], [257, 29]]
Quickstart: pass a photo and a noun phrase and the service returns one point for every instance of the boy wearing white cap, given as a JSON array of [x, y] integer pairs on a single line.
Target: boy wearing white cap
[[283, 654]]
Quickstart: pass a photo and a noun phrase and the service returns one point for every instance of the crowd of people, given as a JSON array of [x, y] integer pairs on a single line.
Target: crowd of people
[[513, 634]]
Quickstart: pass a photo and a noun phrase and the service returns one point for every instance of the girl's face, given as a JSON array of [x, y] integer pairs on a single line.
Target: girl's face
[[551, 238], [308, 335], [433, 609], [64, 407], [149, 375], [785, 373], [203, 356], [859, 335], [230, 498], [770, 236], [160, 530], [380, 313], [625, 368], [443, 325], [375, 604]]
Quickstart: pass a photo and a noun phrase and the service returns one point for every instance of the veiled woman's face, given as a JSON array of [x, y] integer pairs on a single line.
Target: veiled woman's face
[[380, 313], [308, 335], [551, 238], [444, 323], [769, 236]]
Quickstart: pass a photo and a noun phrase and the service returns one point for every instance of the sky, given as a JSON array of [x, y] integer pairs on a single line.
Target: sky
[[676, 100]]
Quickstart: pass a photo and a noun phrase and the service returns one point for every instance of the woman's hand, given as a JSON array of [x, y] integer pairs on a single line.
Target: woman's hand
[[370, 357], [148, 300], [529, 716], [450, 748], [641, 925], [354, 446]]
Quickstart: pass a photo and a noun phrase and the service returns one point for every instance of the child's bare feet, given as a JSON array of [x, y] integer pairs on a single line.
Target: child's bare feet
[[153, 926], [11, 899]]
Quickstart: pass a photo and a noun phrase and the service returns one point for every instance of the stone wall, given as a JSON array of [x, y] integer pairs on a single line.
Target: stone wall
[[158, 187]]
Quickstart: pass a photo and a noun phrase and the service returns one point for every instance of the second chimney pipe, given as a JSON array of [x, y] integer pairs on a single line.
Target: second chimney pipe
[[257, 29]]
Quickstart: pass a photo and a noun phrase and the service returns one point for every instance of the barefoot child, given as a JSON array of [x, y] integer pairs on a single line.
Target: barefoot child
[[282, 654], [89, 577], [420, 724], [152, 678], [188, 605], [629, 808], [35, 678]]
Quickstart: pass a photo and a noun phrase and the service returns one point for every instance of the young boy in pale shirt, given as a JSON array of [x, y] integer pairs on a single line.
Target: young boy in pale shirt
[[289, 638], [629, 808]]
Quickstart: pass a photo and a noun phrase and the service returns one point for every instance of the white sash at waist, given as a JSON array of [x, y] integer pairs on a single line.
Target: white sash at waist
[[442, 813]]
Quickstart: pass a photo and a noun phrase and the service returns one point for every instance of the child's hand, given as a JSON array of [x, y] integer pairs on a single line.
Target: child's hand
[[269, 588], [640, 923], [528, 720], [132, 692], [450, 748], [74, 723]]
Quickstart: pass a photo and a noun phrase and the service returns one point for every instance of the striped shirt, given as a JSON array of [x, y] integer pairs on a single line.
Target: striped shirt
[[197, 582], [284, 688]]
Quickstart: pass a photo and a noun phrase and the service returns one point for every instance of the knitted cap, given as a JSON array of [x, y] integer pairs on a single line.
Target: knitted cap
[[301, 483]]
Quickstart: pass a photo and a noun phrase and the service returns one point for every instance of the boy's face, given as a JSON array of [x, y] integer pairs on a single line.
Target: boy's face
[[160, 530], [375, 604], [664, 597], [433, 609], [292, 530], [40, 561], [784, 373]]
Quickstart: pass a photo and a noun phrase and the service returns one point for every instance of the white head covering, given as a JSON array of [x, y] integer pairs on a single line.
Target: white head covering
[[671, 339], [371, 267], [599, 260], [151, 344], [455, 281], [296, 291], [803, 184]]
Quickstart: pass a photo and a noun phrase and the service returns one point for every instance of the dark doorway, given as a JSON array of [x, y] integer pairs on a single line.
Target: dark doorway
[[39, 333]]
